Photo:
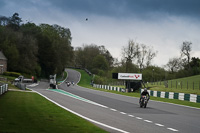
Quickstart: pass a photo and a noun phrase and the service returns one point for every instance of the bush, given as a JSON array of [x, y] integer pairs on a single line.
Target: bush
[[12, 74]]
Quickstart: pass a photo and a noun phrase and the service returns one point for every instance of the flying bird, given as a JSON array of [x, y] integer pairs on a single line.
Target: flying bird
[[86, 19]]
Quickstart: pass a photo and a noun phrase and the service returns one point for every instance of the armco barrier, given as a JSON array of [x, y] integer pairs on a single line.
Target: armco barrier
[[106, 87], [3, 88], [173, 95]]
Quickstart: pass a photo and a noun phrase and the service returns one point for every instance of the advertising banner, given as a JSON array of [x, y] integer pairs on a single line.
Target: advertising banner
[[130, 76]]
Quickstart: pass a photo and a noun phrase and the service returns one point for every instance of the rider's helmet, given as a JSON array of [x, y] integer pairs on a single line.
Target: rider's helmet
[[145, 89]]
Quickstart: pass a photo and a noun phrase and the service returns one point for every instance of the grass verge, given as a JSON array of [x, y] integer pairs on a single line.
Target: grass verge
[[178, 90], [189, 85], [85, 82], [22, 112]]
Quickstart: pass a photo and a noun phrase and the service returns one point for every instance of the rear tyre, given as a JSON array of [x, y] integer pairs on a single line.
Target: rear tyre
[[145, 105]]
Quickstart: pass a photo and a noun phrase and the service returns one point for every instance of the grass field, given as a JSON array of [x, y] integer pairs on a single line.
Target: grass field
[[190, 85], [85, 82], [26, 112]]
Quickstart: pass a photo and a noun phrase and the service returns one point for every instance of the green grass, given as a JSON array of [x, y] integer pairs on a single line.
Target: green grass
[[85, 79], [85, 82], [188, 85], [60, 78], [22, 112]]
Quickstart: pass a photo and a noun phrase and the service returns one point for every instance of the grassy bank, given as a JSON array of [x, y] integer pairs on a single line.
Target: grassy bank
[[85, 82], [189, 85], [22, 112]]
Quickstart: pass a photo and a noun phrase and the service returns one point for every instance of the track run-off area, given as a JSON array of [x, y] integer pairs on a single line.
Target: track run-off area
[[118, 113]]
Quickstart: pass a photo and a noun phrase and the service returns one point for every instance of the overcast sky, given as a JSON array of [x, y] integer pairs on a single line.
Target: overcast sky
[[161, 24]]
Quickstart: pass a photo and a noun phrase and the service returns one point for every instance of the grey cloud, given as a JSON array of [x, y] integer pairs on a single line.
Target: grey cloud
[[126, 8]]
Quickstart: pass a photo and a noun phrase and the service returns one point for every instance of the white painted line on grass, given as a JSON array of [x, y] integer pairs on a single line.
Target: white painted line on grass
[[148, 121], [160, 125], [139, 118], [172, 129], [99, 123]]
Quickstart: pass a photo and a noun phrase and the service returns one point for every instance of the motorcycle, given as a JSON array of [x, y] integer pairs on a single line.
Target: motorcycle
[[143, 101], [68, 84]]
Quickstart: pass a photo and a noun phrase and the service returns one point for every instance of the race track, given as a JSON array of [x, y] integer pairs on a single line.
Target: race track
[[117, 113]]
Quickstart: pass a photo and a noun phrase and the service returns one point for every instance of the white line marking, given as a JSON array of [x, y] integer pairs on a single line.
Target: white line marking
[[33, 85], [148, 121], [99, 123], [176, 104], [123, 113], [20, 90], [131, 115], [139, 118], [113, 109], [172, 129], [160, 125]]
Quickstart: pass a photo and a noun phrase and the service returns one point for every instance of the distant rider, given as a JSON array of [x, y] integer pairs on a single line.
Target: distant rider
[[145, 93]]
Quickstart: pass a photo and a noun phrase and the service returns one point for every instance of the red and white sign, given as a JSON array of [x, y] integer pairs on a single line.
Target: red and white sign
[[130, 76]]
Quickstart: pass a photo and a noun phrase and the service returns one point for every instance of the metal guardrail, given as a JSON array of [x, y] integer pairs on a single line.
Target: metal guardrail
[[3, 88]]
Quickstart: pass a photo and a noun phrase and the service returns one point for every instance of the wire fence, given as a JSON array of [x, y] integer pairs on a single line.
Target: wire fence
[[178, 84]]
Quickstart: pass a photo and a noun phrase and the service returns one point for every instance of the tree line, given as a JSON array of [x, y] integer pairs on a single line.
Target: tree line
[[35, 50], [46, 49], [136, 58]]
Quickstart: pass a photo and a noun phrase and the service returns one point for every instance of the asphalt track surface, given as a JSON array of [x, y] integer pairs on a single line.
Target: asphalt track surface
[[116, 113]]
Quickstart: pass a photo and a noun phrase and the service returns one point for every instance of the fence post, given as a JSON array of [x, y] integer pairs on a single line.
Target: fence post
[[193, 85], [171, 83], [181, 84], [6, 87]]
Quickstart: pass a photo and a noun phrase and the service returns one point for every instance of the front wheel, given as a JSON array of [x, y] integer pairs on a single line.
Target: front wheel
[[145, 105], [141, 103]]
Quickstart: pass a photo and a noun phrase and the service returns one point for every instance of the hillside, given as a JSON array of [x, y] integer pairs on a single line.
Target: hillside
[[186, 85]]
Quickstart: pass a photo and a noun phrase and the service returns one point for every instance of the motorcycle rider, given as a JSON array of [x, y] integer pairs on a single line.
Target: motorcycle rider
[[145, 93], [72, 83]]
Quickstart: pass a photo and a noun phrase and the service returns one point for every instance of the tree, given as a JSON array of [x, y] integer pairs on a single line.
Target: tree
[[141, 54], [129, 53], [84, 56], [99, 62], [54, 48], [185, 51], [195, 65], [33, 49], [138, 53], [107, 55], [4, 20], [14, 22], [150, 55], [173, 64], [8, 44]]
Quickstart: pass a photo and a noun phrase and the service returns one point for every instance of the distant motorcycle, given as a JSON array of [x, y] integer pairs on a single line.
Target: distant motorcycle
[[143, 102], [68, 84], [73, 83]]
